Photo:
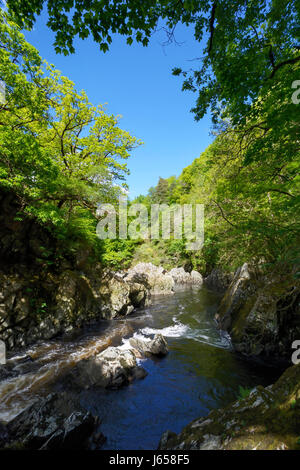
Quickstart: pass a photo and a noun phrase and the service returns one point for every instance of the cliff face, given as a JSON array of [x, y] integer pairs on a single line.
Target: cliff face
[[261, 312], [37, 307], [41, 295], [262, 315], [268, 419]]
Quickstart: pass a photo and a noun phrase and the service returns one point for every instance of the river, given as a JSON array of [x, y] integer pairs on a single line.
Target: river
[[201, 371]]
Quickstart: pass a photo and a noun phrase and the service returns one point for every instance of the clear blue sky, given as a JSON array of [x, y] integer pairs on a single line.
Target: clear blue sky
[[137, 83]]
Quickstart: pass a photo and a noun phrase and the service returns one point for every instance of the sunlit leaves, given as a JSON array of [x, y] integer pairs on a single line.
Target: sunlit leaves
[[59, 154]]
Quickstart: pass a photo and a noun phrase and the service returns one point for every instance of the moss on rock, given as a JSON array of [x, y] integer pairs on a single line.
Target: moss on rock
[[268, 419]]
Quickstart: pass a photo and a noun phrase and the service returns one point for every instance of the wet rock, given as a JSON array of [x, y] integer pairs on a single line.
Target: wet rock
[[137, 373], [54, 422], [156, 347], [196, 278], [165, 438], [268, 419], [111, 368], [96, 441]]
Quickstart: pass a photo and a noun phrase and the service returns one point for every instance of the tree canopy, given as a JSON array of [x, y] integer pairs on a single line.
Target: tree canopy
[[59, 154], [248, 45]]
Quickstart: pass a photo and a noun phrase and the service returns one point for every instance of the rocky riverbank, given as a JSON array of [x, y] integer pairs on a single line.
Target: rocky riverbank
[[261, 312], [35, 307], [268, 419], [59, 421]]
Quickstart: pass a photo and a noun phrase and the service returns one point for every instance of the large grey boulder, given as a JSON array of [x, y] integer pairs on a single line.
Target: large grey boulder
[[180, 276], [112, 368], [154, 278], [196, 278], [156, 347]]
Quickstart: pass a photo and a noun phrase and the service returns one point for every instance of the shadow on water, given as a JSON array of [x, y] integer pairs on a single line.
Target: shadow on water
[[200, 373]]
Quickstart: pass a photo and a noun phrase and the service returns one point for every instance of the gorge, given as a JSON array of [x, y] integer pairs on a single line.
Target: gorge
[[201, 373], [163, 341]]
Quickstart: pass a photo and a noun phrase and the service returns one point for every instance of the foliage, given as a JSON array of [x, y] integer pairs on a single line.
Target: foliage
[[243, 392], [60, 155], [248, 46], [251, 194], [117, 254]]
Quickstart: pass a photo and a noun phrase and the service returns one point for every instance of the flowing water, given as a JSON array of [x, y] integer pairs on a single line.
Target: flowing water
[[201, 372]]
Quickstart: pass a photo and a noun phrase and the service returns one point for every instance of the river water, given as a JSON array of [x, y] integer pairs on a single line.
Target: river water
[[201, 372]]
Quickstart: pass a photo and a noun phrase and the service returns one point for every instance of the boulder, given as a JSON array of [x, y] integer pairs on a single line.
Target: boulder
[[34, 308], [54, 422], [156, 347], [180, 276], [112, 368], [154, 278], [218, 280], [196, 278]]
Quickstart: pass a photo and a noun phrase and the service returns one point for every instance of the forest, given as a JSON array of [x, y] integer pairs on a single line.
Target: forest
[[62, 155]]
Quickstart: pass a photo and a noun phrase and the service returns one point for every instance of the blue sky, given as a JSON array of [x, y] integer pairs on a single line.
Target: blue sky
[[137, 83]]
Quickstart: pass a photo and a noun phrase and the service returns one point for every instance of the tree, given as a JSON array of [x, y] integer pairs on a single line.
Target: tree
[[59, 154], [247, 43], [161, 192]]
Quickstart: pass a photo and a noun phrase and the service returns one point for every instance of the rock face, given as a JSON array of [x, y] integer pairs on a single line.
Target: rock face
[[155, 347], [54, 422], [154, 278], [44, 294], [34, 307], [39, 307], [180, 276], [261, 314], [266, 420], [218, 280], [158, 280]]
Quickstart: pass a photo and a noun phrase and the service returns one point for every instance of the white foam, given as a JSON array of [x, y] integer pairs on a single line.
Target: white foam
[[173, 331]]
